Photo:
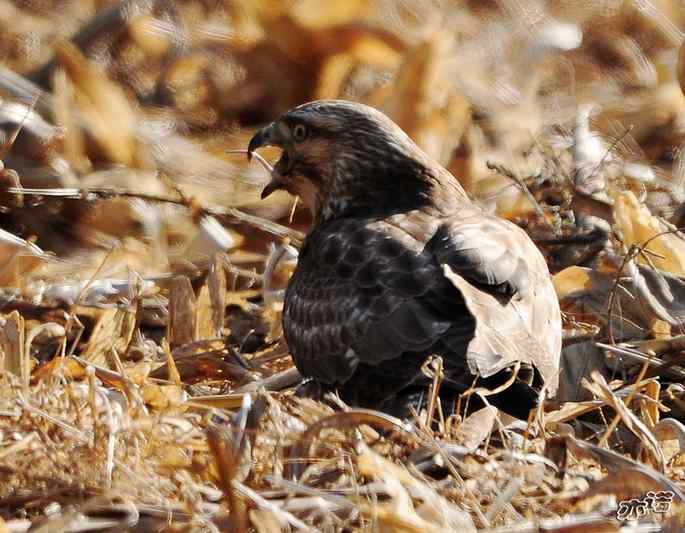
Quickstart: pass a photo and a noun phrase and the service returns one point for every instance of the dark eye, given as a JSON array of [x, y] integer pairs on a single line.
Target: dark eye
[[299, 132]]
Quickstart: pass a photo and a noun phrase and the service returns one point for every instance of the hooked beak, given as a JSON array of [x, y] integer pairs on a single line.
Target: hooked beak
[[268, 136]]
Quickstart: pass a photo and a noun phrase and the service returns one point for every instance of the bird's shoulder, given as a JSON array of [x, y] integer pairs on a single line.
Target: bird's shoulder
[[506, 285], [365, 251], [492, 253]]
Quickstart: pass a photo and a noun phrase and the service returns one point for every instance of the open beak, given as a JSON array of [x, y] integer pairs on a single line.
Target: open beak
[[268, 136]]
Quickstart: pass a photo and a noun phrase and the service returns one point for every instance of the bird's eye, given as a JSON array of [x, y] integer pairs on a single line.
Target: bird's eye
[[299, 132]]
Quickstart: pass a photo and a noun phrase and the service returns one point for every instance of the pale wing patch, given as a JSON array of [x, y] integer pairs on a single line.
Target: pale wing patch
[[503, 333]]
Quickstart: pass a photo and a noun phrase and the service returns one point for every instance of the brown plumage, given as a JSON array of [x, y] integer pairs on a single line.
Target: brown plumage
[[399, 264]]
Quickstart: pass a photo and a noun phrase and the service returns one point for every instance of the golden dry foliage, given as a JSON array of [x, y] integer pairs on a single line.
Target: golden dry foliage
[[636, 225], [103, 106], [144, 381]]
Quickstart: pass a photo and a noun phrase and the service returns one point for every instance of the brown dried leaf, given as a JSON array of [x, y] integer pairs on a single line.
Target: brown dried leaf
[[313, 14], [203, 367], [109, 117], [216, 283], [601, 388], [18, 258], [204, 315], [584, 293], [334, 72], [71, 369], [663, 294], [147, 33], [113, 331], [570, 411], [671, 436], [265, 521], [637, 225], [572, 280], [74, 143], [182, 325], [615, 462], [220, 401], [624, 484], [343, 420], [138, 373], [424, 104], [14, 356], [650, 410], [227, 463], [477, 426], [162, 397], [436, 513], [172, 373]]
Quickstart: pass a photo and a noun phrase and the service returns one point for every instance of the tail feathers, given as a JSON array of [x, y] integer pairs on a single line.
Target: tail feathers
[[517, 400]]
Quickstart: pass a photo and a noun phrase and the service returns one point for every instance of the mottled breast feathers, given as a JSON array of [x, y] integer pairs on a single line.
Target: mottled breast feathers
[[371, 290]]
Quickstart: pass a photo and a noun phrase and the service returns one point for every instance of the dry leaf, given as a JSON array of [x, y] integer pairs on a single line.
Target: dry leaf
[[14, 356], [601, 388], [113, 331], [426, 105], [671, 436], [637, 226], [265, 521], [71, 369], [437, 513], [151, 34], [163, 397], [204, 317], [182, 325], [477, 427], [109, 117], [17, 258], [216, 284]]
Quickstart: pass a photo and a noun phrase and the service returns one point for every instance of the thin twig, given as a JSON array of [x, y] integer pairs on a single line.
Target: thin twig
[[604, 441], [609, 150], [524, 189], [260, 159], [614, 288], [7, 145], [231, 214]]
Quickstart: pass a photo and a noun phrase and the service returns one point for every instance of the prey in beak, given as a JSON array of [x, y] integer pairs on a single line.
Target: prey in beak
[[273, 135]]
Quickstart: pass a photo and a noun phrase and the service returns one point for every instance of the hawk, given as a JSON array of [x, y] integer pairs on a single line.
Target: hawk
[[400, 265]]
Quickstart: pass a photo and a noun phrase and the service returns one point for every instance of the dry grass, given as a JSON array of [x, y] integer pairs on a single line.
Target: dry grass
[[144, 382]]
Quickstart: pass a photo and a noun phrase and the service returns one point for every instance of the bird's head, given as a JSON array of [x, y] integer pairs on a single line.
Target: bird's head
[[340, 156]]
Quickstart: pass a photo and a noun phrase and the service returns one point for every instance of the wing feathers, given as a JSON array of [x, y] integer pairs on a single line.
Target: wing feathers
[[369, 292]]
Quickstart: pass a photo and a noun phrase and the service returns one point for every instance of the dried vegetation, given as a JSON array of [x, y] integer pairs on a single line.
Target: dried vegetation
[[144, 385]]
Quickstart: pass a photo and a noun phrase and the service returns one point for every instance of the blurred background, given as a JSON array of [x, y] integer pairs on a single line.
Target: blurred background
[[515, 98], [133, 238]]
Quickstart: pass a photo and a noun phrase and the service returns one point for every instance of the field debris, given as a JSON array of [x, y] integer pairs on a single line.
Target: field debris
[[144, 381]]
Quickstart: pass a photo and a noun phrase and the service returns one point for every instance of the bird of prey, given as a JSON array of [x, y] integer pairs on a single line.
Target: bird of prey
[[400, 265]]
